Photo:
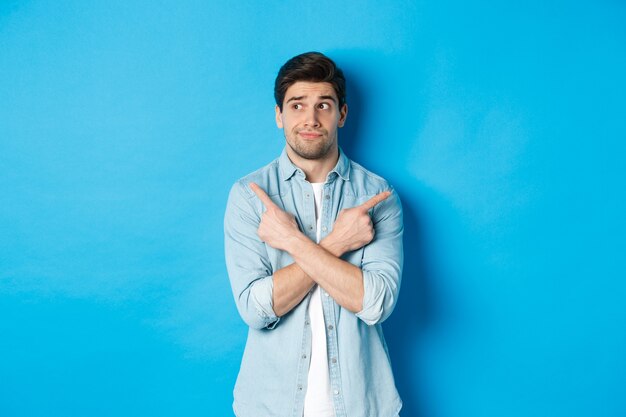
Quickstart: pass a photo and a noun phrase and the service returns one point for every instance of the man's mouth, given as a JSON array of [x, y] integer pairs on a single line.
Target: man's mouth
[[309, 134]]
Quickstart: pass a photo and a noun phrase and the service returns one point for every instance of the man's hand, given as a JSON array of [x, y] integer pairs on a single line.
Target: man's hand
[[353, 228], [277, 227]]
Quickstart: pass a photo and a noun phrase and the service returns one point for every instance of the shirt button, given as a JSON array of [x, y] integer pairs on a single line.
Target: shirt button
[[300, 387], [325, 293], [306, 322], [310, 227], [334, 360], [304, 356], [308, 195], [336, 392], [330, 327], [327, 197], [323, 228]]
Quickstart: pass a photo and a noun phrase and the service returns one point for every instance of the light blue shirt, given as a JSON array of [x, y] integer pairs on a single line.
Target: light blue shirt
[[273, 375]]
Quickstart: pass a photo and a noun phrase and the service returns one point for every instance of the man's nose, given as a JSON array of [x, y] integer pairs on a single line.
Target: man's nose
[[312, 118]]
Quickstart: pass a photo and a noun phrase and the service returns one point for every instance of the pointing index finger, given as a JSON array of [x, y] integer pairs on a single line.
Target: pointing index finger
[[378, 198], [262, 195]]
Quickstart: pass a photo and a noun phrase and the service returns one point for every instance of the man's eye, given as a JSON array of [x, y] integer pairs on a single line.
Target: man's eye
[[324, 106], [297, 106]]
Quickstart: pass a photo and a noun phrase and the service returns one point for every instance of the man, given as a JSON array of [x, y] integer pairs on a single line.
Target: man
[[313, 246]]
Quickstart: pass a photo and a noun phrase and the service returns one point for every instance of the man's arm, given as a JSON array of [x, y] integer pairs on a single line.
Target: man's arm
[[317, 263], [261, 294], [247, 261], [291, 283], [382, 261]]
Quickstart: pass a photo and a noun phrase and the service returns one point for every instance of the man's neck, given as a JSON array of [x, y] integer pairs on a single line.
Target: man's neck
[[316, 170]]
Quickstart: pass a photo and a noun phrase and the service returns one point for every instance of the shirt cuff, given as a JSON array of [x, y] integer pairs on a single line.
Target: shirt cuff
[[373, 298], [262, 295]]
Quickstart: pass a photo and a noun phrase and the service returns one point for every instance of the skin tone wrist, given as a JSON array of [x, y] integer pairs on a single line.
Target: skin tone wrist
[[331, 246]]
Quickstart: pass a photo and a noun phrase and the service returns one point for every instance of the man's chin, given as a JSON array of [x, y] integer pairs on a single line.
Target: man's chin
[[311, 153]]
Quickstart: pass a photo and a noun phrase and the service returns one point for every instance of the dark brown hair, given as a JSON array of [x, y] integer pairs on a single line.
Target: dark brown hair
[[310, 66]]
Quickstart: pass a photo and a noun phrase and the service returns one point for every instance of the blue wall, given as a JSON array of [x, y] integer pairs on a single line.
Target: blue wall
[[124, 123]]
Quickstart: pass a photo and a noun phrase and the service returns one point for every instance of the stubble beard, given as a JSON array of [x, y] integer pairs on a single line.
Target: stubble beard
[[309, 150]]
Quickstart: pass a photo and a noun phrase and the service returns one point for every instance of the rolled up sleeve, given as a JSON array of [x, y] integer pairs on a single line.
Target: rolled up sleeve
[[249, 269], [382, 262]]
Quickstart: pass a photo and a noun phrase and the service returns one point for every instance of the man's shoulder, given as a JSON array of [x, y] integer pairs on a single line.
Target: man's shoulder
[[367, 181], [265, 177]]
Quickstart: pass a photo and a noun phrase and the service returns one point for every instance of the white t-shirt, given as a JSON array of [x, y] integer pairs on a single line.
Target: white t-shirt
[[318, 401]]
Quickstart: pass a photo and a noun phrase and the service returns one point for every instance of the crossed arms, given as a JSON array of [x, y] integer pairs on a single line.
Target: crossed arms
[[369, 291], [317, 263]]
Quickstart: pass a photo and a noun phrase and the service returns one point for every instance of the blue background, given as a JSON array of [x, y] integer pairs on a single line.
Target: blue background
[[124, 123]]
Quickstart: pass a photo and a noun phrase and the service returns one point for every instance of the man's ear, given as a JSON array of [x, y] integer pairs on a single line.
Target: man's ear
[[279, 118], [343, 113]]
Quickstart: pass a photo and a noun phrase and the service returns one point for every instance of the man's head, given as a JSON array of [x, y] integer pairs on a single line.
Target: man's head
[[310, 105], [313, 67]]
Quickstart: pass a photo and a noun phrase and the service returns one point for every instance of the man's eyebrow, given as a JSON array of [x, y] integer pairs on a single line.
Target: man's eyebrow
[[295, 98], [328, 98]]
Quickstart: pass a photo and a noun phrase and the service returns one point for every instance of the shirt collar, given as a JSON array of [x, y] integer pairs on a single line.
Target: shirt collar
[[288, 169], [343, 166]]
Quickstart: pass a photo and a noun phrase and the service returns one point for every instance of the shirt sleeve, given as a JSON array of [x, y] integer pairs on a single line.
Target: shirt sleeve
[[248, 265], [382, 262]]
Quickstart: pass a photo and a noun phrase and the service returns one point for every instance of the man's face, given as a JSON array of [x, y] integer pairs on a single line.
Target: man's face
[[310, 118]]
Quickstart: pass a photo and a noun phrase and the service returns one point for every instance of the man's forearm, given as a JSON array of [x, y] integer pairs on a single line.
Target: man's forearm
[[342, 280], [291, 283]]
